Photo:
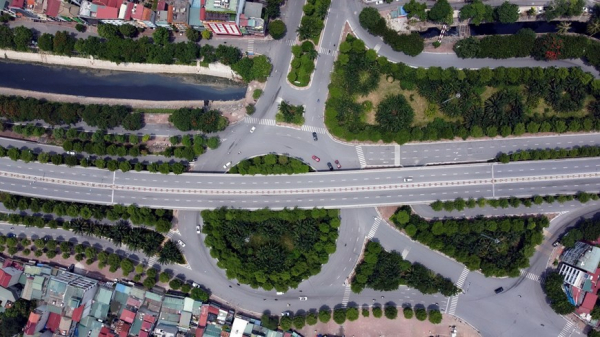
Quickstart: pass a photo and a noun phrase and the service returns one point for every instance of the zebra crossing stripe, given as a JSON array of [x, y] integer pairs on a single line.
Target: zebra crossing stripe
[[313, 129], [454, 299], [361, 156], [531, 276], [565, 331], [250, 46], [346, 295], [374, 228]]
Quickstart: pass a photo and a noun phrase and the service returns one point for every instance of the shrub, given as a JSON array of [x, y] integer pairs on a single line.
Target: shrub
[[391, 312], [339, 315], [421, 314], [324, 315], [408, 312], [435, 316]]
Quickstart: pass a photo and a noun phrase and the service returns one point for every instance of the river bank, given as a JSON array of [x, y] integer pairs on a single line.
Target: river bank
[[213, 69]]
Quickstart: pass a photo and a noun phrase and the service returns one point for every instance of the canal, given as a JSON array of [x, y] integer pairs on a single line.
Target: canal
[[114, 84]]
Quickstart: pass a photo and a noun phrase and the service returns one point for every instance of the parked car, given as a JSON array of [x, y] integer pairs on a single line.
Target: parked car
[[285, 313], [408, 179], [252, 129], [337, 163], [499, 290], [556, 243], [181, 243], [315, 137], [227, 165], [303, 298], [317, 159], [72, 153], [330, 166], [197, 229]]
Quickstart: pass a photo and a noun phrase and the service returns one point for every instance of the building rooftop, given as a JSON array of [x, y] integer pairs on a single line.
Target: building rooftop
[[253, 9], [9, 274], [127, 316], [582, 256], [224, 6], [53, 8], [238, 328]]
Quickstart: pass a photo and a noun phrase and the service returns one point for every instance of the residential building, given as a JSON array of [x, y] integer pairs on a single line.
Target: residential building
[[36, 322], [114, 12], [164, 15], [9, 276], [222, 16], [239, 327], [583, 256], [165, 330], [142, 16], [181, 12]]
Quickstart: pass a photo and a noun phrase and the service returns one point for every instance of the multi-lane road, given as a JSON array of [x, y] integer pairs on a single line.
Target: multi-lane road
[[493, 315]]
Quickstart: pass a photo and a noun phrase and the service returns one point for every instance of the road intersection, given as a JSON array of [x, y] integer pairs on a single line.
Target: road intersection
[[520, 311]]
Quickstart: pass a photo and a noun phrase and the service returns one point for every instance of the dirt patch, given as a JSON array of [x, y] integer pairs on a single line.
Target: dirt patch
[[375, 327], [387, 211], [384, 89], [158, 144], [156, 118], [447, 46]]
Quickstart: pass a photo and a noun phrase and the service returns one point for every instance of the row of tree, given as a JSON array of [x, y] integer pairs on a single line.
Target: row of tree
[[271, 249], [112, 165], [546, 154], [457, 94], [288, 113], [588, 230], [117, 44], [553, 287], [19, 109], [410, 44], [303, 63], [300, 319], [312, 22], [386, 271], [159, 218], [187, 119], [270, 164], [498, 246], [460, 204], [526, 43], [60, 134], [142, 239]]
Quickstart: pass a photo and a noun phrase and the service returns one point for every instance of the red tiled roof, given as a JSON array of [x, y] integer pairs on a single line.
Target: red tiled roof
[[147, 14], [53, 8], [213, 310], [7, 263], [137, 12], [4, 278], [134, 302], [243, 22], [104, 332], [17, 4], [203, 316], [31, 323], [107, 13], [53, 322], [202, 10], [199, 332], [127, 316], [143, 334], [128, 11], [146, 325], [161, 6], [588, 303], [77, 313], [149, 318]]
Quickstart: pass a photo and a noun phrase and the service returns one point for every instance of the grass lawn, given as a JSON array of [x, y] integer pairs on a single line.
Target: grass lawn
[[416, 101]]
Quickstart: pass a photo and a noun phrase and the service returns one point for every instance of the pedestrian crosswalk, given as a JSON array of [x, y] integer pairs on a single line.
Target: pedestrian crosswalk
[[346, 295], [326, 51], [462, 278], [314, 129], [361, 156], [459, 283], [377, 47], [405, 252], [290, 42], [566, 331], [531, 276], [250, 50], [374, 228], [254, 120]]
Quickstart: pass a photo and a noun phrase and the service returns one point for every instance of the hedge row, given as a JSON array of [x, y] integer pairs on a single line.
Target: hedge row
[[270, 164], [135, 238], [21, 109], [409, 44], [526, 43], [498, 246], [159, 218], [460, 204], [28, 155], [546, 154]]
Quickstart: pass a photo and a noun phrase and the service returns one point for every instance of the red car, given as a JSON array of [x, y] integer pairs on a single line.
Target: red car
[[337, 163], [316, 158]]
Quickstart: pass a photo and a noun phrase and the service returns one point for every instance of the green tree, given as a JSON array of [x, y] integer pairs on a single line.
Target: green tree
[[377, 312], [285, 323], [192, 35], [408, 312], [277, 29], [46, 43], [352, 313], [161, 36], [477, 12], [506, 13], [394, 113], [339, 315], [391, 312], [324, 315], [22, 38], [416, 9], [421, 314], [299, 321], [175, 284], [206, 34], [441, 12], [311, 318], [435, 316]]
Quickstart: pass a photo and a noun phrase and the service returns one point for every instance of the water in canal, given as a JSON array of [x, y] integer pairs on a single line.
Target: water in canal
[[114, 84]]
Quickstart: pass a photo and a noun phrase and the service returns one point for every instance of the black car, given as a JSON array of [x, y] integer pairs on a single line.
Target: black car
[[499, 290], [330, 166], [315, 138]]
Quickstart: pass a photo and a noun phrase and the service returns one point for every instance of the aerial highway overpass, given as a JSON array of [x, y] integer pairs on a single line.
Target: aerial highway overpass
[[339, 189]]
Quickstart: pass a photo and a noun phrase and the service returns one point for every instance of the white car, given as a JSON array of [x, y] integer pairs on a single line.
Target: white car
[[181, 243], [197, 229], [408, 179], [195, 285], [285, 313], [227, 165], [303, 298], [252, 129]]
